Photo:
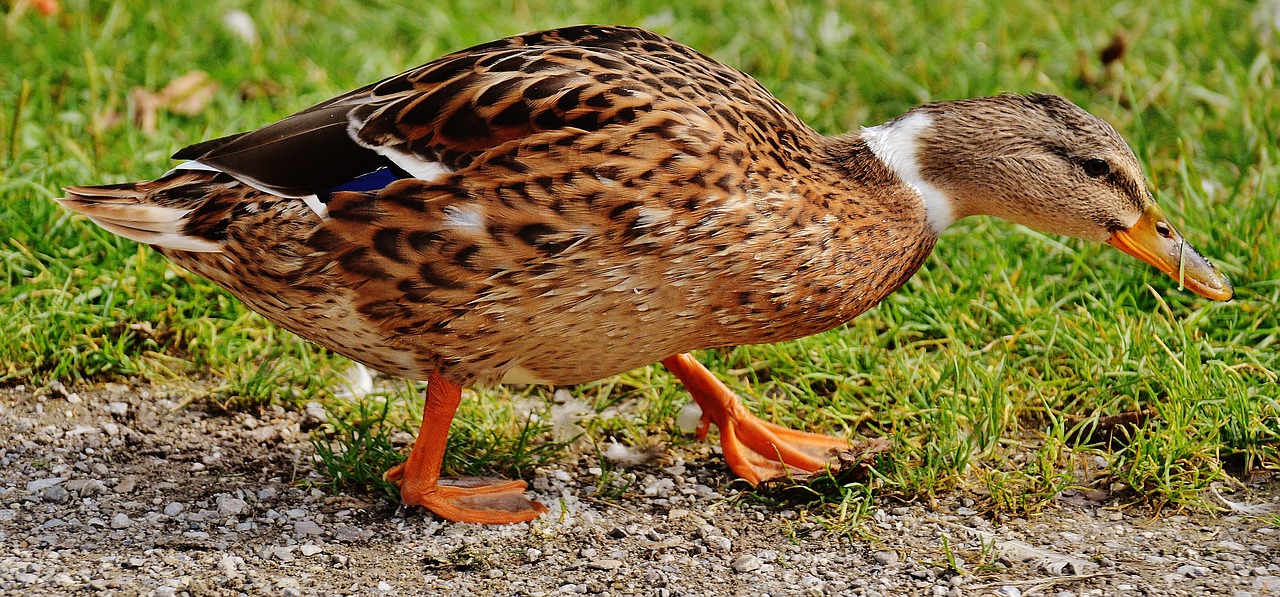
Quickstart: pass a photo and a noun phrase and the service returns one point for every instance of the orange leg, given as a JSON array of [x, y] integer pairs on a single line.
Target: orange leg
[[756, 450], [466, 499]]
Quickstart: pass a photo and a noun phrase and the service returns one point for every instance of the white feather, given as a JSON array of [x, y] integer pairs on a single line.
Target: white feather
[[897, 144]]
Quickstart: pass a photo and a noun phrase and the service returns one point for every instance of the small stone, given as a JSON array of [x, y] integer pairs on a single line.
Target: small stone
[[230, 565], [746, 563], [605, 564], [283, 554], [348, 533], [618, 533], [1232, 546], [267, 493], [85, 487], [120, 521], [307, 527], [885, 557], [533, 554], [310, 550], [118, 409], [230, 506], [41, 484], [265, 434], [25, 578], [964, 511], [126, 484], [173, 509], [384, 586], [494, 573], [718, 543], [1267, 584], [1190, 571], [1009, 591], [56, 494]]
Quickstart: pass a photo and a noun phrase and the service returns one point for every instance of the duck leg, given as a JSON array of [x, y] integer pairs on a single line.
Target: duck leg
[[463, 499], [755, 449]]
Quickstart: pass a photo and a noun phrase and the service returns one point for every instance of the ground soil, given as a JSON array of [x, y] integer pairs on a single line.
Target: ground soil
[[126, 490]]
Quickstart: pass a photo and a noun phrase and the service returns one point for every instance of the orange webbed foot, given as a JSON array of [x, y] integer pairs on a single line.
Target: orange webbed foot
[[754, 449], [461, 499], [481, 500]]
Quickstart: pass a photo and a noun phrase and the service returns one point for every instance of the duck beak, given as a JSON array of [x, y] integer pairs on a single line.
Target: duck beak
[[1154, 240]]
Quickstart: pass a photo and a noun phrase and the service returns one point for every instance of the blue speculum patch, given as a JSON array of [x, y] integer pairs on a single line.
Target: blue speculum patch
[[372, 181]]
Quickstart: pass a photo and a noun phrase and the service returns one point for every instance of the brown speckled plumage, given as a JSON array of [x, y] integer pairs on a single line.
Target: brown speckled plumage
[[615, 198]]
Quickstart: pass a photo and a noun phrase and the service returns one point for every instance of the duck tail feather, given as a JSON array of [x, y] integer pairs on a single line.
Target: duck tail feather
[[131, 210]]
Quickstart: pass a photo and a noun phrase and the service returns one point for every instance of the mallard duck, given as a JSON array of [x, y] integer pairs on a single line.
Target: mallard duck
[[566, 205]]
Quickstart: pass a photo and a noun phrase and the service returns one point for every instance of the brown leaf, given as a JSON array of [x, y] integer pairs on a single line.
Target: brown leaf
[[189, 94], [1116, 49], [145, 109]]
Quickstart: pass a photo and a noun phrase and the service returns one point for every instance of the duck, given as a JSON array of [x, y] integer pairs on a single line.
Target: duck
[[565, 205]]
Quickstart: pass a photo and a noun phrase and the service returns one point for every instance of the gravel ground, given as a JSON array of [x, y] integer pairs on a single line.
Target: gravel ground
[[118, 490]]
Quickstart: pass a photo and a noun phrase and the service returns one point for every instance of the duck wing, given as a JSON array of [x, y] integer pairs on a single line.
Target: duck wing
[[440, 117]]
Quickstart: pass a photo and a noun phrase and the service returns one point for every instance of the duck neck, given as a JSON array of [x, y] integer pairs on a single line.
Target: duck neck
[[897, 145]]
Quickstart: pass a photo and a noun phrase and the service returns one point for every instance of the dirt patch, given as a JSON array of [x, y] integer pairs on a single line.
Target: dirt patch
[[120, 490]]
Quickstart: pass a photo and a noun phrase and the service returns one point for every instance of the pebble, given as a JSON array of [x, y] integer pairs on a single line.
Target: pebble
[[85, 487], [121, 521], [306, 527], [348, 533], [230, 506], [1191, 571], [173, 509], [746, 563], [310, 550], [40, 484], [126, 484], [718, 543], [56, 494], [885, 557], [605, 564]]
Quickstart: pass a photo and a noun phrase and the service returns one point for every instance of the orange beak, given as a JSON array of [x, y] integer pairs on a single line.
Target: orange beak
[[1154, 240]]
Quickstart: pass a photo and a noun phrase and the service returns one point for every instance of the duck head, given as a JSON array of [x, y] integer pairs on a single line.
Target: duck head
[[1041, 161]]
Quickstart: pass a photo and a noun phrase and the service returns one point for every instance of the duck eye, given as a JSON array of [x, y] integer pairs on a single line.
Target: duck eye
[[1096, 167], [1164, 229]]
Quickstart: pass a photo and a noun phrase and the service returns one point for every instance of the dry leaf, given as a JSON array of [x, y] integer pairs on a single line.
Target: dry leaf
[[187, 95], [1115, 50]]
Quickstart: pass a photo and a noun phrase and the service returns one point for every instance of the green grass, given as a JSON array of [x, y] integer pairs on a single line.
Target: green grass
[[976, 369]]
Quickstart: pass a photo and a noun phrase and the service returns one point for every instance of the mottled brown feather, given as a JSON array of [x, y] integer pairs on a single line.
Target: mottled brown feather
[[615, 198]]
